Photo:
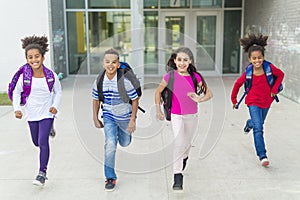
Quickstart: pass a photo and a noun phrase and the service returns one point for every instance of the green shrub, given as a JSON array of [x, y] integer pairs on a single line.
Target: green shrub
[[4, 100]]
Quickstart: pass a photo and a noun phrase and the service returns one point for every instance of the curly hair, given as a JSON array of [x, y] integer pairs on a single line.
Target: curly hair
[[254, 43], [35, 42]]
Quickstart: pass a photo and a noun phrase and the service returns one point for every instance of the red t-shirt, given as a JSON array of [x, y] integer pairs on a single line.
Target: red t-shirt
[[260, 91]]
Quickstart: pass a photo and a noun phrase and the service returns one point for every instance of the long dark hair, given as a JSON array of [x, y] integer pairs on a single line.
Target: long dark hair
[[254, 43], [191, 68]]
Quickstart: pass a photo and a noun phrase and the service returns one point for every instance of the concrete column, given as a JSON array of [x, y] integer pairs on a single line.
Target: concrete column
[[137, 38]]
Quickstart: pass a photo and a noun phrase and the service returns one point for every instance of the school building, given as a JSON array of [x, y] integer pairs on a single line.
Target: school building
[[147, 31]]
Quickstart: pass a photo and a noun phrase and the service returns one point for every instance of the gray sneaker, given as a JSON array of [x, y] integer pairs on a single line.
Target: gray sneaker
[[52, 132], [40, 179], [246, 128]]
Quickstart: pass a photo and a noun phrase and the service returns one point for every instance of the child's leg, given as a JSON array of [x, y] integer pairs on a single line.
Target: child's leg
[[124, 136], [44, 132], [258, 116], [34, 131], [111, 140], [190, 126], [183, 129]]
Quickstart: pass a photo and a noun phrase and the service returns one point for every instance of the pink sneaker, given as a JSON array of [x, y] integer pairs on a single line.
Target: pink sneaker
[[265, 162]]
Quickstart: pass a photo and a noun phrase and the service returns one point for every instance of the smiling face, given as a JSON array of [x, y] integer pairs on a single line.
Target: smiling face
[[111, 64], [182, 62], [256, 58], [34, 58]]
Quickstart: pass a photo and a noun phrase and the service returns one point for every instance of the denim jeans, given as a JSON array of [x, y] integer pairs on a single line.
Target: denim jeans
[[115, 131], [258, 116]]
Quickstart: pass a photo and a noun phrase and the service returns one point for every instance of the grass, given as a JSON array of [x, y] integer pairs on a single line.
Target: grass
[[4, 100]]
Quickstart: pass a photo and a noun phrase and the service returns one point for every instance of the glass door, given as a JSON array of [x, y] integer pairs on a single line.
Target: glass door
[[172, 35], [207, 27], [200, 31]]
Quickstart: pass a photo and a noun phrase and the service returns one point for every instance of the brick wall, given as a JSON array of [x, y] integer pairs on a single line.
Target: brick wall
[[280, 20]]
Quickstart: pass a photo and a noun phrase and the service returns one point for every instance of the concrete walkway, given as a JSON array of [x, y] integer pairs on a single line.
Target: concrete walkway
[[222, 163]]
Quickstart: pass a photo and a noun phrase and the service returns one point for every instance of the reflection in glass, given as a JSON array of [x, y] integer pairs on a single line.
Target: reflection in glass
[[174, 32], [174, 3], [150, 3], [151, 39], [75, 4], [206, 42], [233, 3], [108, 30], [76, 42], [109, 4], [207, 3], [232, 33]]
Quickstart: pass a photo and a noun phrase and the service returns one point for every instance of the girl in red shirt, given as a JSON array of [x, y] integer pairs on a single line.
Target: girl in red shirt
[[260, 95]]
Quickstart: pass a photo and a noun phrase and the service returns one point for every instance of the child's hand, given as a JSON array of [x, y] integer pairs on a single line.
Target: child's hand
[[233, 106], [273, 95], [98, 123], [53, 110], [195, 97], [131, 126], [160, 115], [18, 114]]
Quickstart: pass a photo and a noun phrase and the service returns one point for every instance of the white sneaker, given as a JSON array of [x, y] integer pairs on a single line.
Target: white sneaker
[[265, 162]]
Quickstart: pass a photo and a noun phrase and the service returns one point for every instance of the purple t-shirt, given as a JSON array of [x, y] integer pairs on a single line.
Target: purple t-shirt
[[181, 103]]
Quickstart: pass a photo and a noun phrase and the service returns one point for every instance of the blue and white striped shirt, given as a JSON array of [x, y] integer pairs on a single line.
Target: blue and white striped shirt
[[113, 106]]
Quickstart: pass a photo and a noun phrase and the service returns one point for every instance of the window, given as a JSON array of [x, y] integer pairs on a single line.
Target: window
[[231, 45]]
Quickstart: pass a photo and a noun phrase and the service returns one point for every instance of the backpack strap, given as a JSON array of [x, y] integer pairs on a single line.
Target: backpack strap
[[123, 73], [121, 85], [27, 81], [170, 89], [270, 77], [247, 84], [100, 79], [249, 74], [49, 78], [14, 81]]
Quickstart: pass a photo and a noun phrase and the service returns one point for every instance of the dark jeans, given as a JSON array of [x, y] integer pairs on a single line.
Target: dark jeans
[[258, 116]]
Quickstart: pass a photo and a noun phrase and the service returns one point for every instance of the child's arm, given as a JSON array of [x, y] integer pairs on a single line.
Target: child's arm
[[159, 89], [96, 107], [57, 93], [17, 98], [279, 77], [236, 87], [132, 123], [207, 96]]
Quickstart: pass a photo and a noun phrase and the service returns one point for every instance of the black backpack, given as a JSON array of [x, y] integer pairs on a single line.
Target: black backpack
[[124, 71], [167, 93]]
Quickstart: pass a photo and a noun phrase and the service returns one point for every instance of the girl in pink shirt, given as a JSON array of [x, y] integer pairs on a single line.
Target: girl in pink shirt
[[261, 94], [184, 106]]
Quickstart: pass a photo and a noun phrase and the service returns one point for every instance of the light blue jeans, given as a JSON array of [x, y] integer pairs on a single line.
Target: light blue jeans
[[115, 131], [258, 116]]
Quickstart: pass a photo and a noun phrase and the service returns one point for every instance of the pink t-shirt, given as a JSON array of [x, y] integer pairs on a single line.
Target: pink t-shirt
[[181, 103]]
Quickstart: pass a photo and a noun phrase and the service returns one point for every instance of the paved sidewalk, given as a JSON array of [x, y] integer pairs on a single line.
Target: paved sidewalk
[[222, 164]]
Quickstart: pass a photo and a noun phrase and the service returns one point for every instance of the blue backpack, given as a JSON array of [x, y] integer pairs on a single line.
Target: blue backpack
[[27, 72], [270, 78]]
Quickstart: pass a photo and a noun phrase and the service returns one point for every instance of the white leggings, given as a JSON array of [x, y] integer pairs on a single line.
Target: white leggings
[[183, 127]]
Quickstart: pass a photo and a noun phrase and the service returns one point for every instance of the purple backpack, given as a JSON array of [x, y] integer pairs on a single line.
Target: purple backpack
[[27, 79]]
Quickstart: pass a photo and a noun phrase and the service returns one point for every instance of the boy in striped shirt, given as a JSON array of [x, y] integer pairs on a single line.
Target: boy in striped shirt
[[119, 118]]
